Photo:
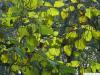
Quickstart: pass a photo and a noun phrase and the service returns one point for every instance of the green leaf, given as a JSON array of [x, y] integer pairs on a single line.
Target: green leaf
[[20, 52], [66, 70], [22, 32], [45, 30], [15, 68], [93, 67], [31, 43]]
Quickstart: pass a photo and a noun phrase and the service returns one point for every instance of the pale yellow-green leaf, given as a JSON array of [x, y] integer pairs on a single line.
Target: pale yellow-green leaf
[[76, 54], [93, 67], [96, 34], [87, 27], [64, 14], [74, 1], [54, 51], [87, 35], [32, 14], [50, 56], [98, 66], [22, 31], [32, 4], [55, 33], [71, 35], [58, 4], [82, 19], [80, 44], [82, 70], [71, 8], [88, 13], [67, 50], [75, 63], [79, 5], [53, 12], [50, 22], [48, 4], [4, 58]]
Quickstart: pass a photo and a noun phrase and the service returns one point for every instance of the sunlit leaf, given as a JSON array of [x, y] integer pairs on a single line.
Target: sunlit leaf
[[58, 4], [75, 63], [74, 1], [79, 5], [88, 13], [54, 51], [55, 33], [64, 14], [82, 19], [22, 31], [68, 50], [47, 4], [32, 14], [4, 58], [80, 44], [71, 8], [96, 34], [87, 35], [53, 12], [71, 35], [45, 30]]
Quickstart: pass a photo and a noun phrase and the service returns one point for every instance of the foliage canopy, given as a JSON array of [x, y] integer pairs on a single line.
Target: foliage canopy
[[50, 37]]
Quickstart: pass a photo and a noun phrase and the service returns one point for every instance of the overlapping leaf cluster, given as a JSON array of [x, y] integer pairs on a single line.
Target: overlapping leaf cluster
[[48, 37]]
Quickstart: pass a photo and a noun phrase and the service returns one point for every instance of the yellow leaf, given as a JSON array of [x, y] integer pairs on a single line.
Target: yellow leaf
[[87, 27], [96, 34], [88, 13], [58, 4], [50, 56], [82, 19], [32, 4], [71, 8], [55, 33], [47, 4], [75, 63], [4, 58], [68, 50], [76, 54], [98, 66], [32, 14], [50, 22], [53, 12], [64, 14], [72, 35], [79, 6], [80, 44], [87, 35], [54, 51], [82, 70], [93, 67], [74, 1]]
